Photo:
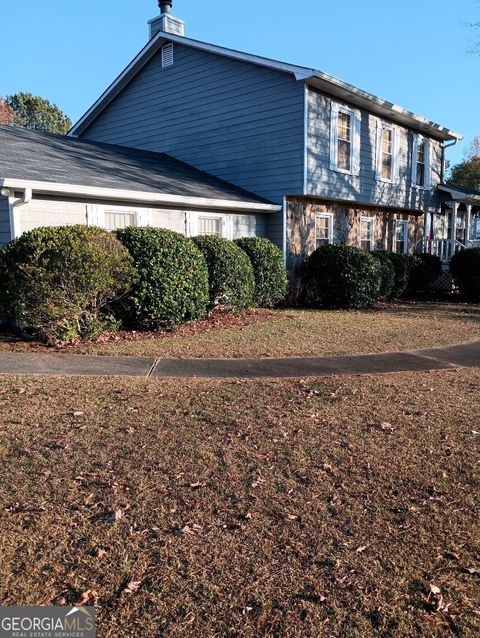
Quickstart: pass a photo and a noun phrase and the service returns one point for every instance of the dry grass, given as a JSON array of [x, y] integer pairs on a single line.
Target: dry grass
[[245, 509], [289, 333]]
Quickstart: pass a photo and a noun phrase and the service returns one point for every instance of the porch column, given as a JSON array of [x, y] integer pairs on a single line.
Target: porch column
[[468, 223], [453, 236]]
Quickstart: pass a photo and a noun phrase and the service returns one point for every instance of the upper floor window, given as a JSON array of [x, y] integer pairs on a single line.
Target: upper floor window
[[345, 139], [421, 171], [323, 229], [387, 153], [367, 233], [344, 142]]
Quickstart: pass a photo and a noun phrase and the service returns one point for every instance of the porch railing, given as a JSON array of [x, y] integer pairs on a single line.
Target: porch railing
[[443, 248]]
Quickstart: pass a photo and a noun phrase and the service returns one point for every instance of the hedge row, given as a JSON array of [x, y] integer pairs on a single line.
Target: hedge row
[[347, 277], [62, 283]]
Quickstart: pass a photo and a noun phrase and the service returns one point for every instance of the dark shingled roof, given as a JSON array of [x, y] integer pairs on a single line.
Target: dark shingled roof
[[462, 189], [43, 157]]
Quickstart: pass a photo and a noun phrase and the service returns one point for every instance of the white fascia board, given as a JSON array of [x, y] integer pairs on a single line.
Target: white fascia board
[[161, 199], [378, 106]]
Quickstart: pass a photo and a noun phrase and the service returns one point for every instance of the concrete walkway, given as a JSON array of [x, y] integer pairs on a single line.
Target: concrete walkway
[[465, 355]]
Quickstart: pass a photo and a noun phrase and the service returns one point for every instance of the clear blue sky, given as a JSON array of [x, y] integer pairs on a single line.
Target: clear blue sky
[[412, 52]]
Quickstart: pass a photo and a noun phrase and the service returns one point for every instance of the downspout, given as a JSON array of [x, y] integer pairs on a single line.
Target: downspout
[[14, 205], [442, 181], [444, 147]]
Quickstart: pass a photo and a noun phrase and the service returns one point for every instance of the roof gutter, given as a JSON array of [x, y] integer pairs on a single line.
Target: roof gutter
[[378, 106], [161, 199]]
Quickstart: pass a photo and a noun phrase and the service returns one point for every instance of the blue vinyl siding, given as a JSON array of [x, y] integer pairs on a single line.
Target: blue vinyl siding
[[239, 121], [324, 182], [5, 235]]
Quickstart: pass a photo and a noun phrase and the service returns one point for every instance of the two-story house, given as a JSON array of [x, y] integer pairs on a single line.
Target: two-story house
[[309, 159]]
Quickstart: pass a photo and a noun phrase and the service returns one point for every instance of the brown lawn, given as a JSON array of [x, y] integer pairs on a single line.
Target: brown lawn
[[289, 333], [342, 508]]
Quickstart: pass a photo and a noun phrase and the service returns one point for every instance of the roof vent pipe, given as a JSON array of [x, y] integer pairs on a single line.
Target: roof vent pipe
[[165, 7]]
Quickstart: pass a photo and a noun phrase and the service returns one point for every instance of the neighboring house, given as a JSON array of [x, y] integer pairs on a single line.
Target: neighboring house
[[335, 163]]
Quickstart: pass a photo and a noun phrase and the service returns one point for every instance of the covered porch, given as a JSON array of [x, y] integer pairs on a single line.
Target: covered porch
[[457, 226]]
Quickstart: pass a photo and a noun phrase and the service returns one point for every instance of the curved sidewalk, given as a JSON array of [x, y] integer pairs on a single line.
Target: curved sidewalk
[[465, 355]]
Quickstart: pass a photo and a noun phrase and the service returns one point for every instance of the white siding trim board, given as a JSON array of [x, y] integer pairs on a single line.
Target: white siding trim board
[[137, 196]]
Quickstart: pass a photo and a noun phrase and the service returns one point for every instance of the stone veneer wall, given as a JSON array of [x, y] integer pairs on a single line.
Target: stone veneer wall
[[346, 227]]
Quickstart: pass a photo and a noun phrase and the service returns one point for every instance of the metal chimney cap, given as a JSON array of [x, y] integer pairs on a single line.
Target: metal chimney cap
[[165, 6]]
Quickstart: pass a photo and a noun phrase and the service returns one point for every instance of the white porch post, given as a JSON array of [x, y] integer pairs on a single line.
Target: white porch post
[[453, 235], [468, 224]]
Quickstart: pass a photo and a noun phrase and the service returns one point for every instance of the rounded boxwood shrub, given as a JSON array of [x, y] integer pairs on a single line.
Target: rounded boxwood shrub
[[342, 277], [388, 274], [230, 273], [269, 270], [59, 283], [425, 270], [172, 285], [402, 265], [465, 269]]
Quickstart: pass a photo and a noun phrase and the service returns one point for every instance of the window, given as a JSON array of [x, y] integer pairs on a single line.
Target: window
[[401, 236], [421, 162], [323, 229], [116, 220], [344, 142], [387, 153], [210, 226], [345, 139], [167, 55], [366, 233]]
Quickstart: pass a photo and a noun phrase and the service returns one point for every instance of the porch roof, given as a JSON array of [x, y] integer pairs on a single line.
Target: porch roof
[[460, 193]]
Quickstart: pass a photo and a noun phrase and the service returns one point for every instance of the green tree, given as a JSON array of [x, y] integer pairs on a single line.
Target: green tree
[[37, 113], [467, 173]]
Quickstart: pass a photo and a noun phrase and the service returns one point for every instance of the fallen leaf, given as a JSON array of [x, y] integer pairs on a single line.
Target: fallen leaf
[[436, 591], [475, 571], [191, 530], [361, 549], [132, 587], [89, 598]]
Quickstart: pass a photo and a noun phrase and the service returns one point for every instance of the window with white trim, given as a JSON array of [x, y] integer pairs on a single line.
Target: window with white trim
[[323, 229], [345, 139], [210, 226], [118, 219], [401, 236], [367, 233], [421, 169], [387, 152], [167, 55]]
